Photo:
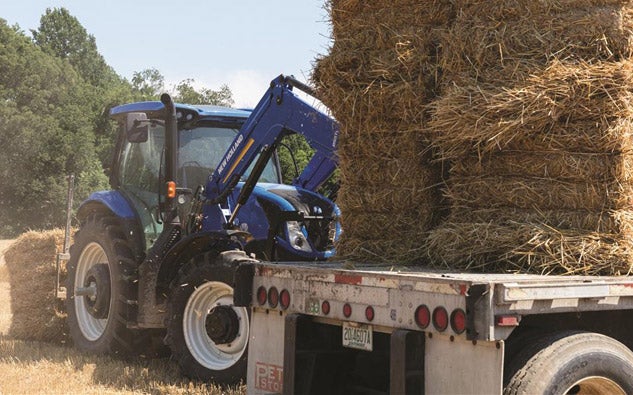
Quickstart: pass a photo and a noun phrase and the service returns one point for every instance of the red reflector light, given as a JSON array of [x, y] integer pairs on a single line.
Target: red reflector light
[[369, 313], [422, 316], [458, 321], [347, 310], [273, 297], [440, 318], [261, 295], [284, 299], [325, 307], [507, 320]]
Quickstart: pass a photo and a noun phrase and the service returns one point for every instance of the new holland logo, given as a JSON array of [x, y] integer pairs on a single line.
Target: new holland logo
[[230, 153]]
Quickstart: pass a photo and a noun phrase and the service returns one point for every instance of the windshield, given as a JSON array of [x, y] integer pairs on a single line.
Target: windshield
[[202, 148]]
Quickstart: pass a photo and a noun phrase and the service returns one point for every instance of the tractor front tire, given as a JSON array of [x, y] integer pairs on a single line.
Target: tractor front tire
[[101, 288], [208, 335]]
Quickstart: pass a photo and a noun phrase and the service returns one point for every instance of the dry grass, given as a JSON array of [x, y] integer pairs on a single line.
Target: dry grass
[[34, 367], [37, 314]]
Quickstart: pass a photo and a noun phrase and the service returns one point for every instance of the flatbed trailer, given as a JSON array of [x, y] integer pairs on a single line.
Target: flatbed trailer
[[337, 329]]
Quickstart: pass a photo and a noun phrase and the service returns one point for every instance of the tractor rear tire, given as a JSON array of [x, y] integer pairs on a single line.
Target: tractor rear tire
[[571, 362], [208, 335], [102, 260]]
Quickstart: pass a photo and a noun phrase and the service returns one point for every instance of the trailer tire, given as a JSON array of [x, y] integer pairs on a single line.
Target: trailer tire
[[207, 335], [571, 362], [102, 257]]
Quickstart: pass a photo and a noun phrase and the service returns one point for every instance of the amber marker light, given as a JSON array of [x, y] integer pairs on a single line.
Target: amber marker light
[[171, 189]]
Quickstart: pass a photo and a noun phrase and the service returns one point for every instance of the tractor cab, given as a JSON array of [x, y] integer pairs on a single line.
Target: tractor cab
[[205, 134]]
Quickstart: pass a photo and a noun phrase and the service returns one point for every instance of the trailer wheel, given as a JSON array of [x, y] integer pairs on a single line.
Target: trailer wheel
[[100, 282], [208, 336], [571, 363]]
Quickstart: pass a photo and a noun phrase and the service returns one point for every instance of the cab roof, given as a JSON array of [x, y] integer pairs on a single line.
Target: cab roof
[[201, 110]]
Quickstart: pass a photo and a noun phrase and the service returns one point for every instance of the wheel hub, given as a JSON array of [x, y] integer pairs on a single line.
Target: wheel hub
[[222, 324], [98, 302], [595, 385]]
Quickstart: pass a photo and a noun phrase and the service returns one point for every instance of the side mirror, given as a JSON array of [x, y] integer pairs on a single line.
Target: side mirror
[[136, 127]]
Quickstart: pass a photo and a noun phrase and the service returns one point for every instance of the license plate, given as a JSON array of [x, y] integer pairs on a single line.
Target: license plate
[[358, 336]]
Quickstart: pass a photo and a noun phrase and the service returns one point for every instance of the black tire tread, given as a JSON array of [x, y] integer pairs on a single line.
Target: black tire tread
[[544, 355], [117, 339], [223, 264]]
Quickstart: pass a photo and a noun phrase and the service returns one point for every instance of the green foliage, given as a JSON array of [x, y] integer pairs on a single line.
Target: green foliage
[[61, 35], [294, 154], [44, 133], [56, 91], [148, 84], [186, 93], [293, 146]]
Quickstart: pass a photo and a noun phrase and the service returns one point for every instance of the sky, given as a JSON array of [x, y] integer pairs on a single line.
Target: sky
[[241, 43]]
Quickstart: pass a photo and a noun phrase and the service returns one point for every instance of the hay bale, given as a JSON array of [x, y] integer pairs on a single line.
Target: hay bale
[[37, 314], [596, 99], [607, 221], [377, 24], [498, 10], [538, 193], [525, 39], [367, 91], [397, 251], [529, 248], [552, 164], [523, 106], [378, 79], [540, 178]]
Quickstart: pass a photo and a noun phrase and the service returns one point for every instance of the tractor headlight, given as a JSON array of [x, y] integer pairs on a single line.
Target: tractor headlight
[[296, 237]]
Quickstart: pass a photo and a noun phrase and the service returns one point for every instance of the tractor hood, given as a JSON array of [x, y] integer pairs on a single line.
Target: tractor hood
[[269, 203]]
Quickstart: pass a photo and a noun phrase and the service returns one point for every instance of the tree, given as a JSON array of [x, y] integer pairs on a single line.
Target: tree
[[186, 93], [149, 84], [45, 134], [60, 34]]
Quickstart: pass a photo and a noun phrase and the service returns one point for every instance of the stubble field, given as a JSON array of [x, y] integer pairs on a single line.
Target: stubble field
[[31, 367]]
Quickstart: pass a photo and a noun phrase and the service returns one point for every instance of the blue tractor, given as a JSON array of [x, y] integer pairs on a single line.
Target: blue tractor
[[196, 190]]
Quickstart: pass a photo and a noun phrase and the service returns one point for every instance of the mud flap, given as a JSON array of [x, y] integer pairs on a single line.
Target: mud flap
[[454, 366]]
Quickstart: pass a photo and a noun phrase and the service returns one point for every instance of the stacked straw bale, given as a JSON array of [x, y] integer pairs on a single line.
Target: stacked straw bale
[[36, 313], [377, 79], [535, 119], [520, 109]]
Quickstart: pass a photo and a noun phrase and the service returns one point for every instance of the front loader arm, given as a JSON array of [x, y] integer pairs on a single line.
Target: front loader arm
[[280, 112]]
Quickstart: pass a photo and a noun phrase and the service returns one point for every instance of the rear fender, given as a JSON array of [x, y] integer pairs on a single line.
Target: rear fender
[[112, 203], [106, 201]]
